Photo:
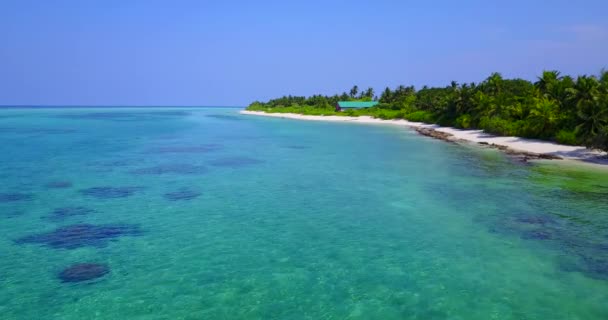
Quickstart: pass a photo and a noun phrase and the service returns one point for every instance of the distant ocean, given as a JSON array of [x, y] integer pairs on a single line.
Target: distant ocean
[[203, 213]]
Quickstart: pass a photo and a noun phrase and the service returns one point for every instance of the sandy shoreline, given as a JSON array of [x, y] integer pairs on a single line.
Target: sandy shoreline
[[476, 136]]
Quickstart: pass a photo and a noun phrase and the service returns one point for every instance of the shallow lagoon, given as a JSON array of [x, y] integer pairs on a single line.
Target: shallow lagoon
[[197, 215]]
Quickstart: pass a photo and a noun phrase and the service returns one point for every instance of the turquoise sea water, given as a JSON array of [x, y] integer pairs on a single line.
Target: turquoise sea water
[[207, 214]]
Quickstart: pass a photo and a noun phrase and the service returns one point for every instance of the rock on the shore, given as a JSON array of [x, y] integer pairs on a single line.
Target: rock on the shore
[[523, 156], [429, 132], [529, 155]]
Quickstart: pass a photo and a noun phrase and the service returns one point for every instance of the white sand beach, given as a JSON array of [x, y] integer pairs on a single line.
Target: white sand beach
[[476, 136]]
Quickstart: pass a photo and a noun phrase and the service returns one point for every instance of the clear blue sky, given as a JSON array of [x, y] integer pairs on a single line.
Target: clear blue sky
[[232, 52]]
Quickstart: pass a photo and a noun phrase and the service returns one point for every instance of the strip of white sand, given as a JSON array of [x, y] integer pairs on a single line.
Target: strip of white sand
[[477, 136]]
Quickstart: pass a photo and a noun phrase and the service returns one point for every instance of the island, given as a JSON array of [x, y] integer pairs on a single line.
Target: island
[[555, 117]]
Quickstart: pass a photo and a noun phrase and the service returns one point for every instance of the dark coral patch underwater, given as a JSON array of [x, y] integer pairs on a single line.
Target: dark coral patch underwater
[[83, 272], [597, 195], [37, 131], [536, 219], [13, 197], [124, 115], [51, 131], [591, 264], [524, 225], [185, 149], [587, 256], [11, 213], [596, 267], [66, 212], [110, 192], [182, 194], [58, 185], [224, 117], [114, 163], [179, 169], [81, 235], [297, 147], [235, 162], [537, 235]]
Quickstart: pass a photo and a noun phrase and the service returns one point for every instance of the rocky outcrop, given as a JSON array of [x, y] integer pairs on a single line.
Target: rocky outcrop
[[429, 132], [525, 156], [531, 156], [518, 155]]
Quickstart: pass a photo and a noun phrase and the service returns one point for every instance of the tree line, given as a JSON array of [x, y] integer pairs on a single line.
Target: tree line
[[558, 108]]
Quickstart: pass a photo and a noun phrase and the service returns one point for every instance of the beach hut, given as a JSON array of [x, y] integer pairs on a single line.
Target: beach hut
[[352, 105]]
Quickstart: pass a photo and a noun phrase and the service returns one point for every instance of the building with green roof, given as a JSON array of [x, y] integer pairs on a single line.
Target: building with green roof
[[351, 105]]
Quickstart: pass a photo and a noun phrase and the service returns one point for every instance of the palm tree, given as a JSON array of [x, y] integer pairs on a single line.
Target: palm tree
[[464, 99], [454, 85], [516, 111], [494, 83], [354, 91], [543, 117], [484, 105], [585, 91], [454, 101], [546, 82], [591, 109], [387, 96], [604, 81]]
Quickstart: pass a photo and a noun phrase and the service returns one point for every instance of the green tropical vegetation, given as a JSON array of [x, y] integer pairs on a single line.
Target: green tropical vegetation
[[555, 107]]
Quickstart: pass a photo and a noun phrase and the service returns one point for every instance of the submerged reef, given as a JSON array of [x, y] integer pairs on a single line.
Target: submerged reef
[[235, 162], [182, 194], [124, 115], [36, 131], [114, 163], [537, 235], [297, 147], [11, 213], [224, 117], [596, 267], [185, 149], [179, 169], [66, 212], [58, 185], [83, 272], [582, 253], [536, 219], [81, 235], [13, 197], [110, 192]]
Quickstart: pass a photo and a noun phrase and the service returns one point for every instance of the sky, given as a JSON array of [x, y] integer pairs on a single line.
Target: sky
[[230, 53]]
